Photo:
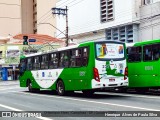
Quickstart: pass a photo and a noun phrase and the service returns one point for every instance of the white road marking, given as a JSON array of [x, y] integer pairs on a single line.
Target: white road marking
[[129, 95], [15, 109], [11, 108], [104, 103]]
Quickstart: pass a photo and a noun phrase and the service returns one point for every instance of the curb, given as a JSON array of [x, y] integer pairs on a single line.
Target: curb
[[7, 83]]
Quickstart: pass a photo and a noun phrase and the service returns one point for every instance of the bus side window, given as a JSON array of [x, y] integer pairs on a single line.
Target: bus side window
[[64, 59], [44, 62], [156, 50], [78, 57], [36, 63], [22, 66], [85, 56], [53, 60], [29, 64], [129, 54], [75, 59], [148, 53], [72, 59], [134, 54]]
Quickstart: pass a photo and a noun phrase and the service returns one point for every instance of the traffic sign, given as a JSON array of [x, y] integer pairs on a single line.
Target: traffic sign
[[32, 40]]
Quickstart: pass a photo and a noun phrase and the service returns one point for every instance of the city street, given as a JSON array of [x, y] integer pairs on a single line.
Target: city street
[[14, 98]]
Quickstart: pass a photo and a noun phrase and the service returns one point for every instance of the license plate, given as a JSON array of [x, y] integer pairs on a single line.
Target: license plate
[[111, 80]]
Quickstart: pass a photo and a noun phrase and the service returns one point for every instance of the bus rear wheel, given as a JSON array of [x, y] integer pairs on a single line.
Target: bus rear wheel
[[60, 88], [142, 90]]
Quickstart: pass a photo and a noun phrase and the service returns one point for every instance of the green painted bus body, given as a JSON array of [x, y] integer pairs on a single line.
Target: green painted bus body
[[70, 76], [144, 74], [111, 72]]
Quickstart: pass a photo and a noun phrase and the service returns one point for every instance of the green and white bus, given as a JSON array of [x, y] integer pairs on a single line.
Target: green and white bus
[[143, 65], [84, 67]]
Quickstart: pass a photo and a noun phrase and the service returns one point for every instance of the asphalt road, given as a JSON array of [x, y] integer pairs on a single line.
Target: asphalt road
[[13, 98]]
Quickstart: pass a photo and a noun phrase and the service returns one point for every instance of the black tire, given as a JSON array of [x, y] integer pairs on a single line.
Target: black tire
[[121, 90], [30, 89], [88, 92], [141, 90], [60, 88]]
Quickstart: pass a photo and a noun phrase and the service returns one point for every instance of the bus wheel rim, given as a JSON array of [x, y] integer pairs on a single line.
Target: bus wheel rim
[[60, 88]]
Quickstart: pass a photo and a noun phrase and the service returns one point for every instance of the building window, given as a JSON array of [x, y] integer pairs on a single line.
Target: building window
[[35, 31], [107, 9], [146, 2], [122, 36], [115, 34], [129, 33], [123, 33], [1, 54]]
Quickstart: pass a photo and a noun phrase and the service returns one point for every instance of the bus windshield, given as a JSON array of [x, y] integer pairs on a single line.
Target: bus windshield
[[109, 50]]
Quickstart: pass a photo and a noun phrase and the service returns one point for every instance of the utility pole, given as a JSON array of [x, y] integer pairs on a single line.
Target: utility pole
[[61, 11]]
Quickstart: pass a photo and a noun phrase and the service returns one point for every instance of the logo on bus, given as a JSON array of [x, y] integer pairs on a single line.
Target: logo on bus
[[82, 73], [43, 74], [148, 67], [37, 75], [56, 74], [50, 75]]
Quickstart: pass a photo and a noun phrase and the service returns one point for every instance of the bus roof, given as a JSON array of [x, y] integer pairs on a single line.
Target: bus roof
[[96, 41], [54, 50], [147, 42], [70, 47]]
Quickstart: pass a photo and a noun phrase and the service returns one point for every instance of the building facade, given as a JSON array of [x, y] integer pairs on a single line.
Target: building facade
[[23, 17], [122, 20], [11, 50], [27, 17], [149, 27]]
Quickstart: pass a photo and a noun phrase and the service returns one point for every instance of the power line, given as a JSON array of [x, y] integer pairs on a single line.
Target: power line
[[69, 3], [10, 4], [9, 18], [62, 3], [43, 15], [44, 18], [75, 3], [64, 12]]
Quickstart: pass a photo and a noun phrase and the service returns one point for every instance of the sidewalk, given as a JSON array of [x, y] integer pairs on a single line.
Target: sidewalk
[[9, 82]]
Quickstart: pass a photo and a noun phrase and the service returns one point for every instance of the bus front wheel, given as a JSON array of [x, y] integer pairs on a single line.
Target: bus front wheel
[[60, 88], [31, 89]]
